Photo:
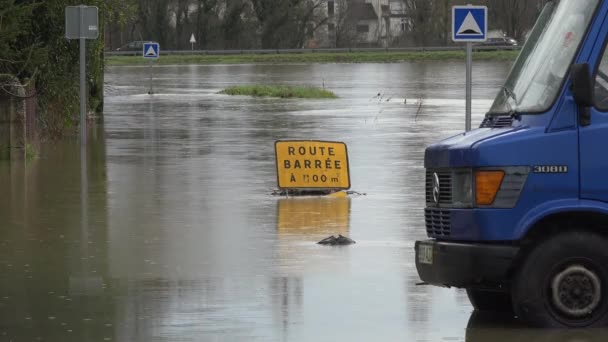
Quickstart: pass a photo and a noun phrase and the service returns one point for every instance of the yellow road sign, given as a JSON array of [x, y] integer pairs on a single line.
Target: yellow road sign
[[306, 164]]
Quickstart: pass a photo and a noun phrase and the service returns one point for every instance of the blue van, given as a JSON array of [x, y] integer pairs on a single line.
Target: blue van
[[517, 210]]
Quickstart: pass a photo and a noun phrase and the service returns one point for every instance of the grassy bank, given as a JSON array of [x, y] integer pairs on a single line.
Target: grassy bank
[[354, 57], [280, 91]]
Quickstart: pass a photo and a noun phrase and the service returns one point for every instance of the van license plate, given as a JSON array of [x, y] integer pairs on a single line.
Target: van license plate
[[425, 254]]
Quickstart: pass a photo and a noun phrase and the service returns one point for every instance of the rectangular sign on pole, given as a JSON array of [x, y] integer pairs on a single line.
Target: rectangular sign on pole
[[306, 164], [81, 22], [469, 23], [151, 50]]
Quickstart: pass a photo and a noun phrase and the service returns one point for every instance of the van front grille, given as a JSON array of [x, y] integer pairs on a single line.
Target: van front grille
[[438, 222], [445, 186]]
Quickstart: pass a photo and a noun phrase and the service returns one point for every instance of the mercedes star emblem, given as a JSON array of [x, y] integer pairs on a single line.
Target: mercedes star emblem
[[436, 190]]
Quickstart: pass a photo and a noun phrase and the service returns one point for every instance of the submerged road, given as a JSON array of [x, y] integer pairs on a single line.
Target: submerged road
[[180, 239]]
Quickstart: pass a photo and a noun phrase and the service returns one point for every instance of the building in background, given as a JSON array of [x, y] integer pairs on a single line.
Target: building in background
[[282, 24], [400, 23], [354, 23]]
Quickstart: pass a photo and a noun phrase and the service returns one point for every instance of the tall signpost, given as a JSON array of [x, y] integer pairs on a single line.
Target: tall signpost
[[469, 25], [151, 51], [82, 22]]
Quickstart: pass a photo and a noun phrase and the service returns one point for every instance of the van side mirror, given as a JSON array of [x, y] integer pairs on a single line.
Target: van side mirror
[[582, 90]]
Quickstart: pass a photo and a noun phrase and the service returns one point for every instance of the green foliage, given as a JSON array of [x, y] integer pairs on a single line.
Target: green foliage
[[280, 91], [30, 152], [15, 24], [34, 47], [354, 57]]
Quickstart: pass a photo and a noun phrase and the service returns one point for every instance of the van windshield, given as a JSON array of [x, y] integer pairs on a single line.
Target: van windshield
[[538, 73]]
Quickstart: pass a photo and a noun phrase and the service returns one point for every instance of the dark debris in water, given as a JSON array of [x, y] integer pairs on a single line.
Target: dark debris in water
[[336, 241], [324, 192], [295, 193]]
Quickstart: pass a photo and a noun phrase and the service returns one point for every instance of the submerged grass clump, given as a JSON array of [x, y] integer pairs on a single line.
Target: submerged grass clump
[[280, 91]]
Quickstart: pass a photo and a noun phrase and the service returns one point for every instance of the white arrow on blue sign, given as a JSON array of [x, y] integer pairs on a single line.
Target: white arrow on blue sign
[[469, 23], [151, 50]]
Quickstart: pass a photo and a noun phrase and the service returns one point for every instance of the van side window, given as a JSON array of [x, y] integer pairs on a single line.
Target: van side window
[[601, 84]]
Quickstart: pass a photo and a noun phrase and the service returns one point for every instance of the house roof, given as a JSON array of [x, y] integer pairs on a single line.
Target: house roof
[[363, 11], [386, 10]]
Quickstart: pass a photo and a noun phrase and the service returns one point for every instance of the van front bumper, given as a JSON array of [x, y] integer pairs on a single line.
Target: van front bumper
[[465, 265]]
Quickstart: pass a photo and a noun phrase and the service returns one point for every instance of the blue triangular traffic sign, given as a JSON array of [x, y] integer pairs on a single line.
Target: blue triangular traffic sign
[[469, 23], [151, 50]]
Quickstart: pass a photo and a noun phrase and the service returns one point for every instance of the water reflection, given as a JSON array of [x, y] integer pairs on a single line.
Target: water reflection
[[176, 235], [500, 328], [53, 269], [313, 216], [301, 222]]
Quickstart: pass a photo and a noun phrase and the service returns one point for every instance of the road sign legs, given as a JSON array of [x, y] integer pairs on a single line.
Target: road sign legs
[[83, 93], [469, 86]]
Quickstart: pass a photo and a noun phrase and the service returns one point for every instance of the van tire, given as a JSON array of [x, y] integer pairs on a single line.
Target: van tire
[[563, 282], [490, 301]]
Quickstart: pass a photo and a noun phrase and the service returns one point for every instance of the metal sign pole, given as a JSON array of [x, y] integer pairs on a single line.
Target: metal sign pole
[[84, 184], [469, 25], [83, 93], [151, 90], [151, 51], [83, 85], [469, 86], [82, 23], [84, 206]]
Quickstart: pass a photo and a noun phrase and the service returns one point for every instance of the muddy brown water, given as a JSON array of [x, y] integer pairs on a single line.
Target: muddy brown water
[[176, 236]]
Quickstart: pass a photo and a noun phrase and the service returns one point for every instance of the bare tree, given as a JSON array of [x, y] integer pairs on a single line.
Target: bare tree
[[309, 19], [431, 19], [420, 15], [291, 23], [345, 24], [181, 9], [207, 21], [515, 17], [287, 23], [233, 24], [153, 18]]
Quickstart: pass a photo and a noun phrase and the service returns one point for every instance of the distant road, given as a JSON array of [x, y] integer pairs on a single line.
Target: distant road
[[304, 51]]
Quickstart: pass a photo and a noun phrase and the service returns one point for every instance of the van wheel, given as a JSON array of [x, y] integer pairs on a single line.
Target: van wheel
[[563, 283], [490, 301]]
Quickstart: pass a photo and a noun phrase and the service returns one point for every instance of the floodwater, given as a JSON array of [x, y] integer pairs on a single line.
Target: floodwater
[[175, 235]]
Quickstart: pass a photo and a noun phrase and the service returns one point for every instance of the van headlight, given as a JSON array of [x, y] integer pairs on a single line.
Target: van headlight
[[462, 188]]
